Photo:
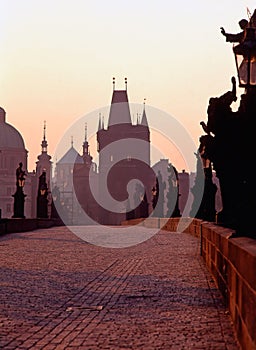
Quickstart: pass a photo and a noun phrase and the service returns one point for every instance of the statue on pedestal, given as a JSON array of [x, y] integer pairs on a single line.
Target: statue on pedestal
[[173, 194], [204, 189], [19, 196], [158, 196], [42, 197]]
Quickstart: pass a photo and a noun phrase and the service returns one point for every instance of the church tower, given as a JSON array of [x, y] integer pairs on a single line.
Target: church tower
[[124, 155], [86, 153], [44, 164]]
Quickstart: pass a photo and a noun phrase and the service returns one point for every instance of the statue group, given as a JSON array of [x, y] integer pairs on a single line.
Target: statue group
[[227, 146], [19, 196]]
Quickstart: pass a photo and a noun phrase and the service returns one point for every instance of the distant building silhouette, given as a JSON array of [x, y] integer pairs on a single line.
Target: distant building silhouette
[[82, 193], [12, 152], [85, 181], [63, 180]]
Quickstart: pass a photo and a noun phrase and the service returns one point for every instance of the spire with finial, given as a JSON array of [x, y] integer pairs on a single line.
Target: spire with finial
[[44, 142], [72, 142], [100, 123], [144, 117], [114, 83], [85, 144], [125, 81], [85, 132], [44, 129], [138, 119]]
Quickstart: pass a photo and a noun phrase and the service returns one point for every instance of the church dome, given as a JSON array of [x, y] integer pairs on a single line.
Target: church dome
[[9, 136]]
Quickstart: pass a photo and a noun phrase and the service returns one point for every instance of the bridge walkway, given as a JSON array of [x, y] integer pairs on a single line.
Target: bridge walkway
[[60, 292]]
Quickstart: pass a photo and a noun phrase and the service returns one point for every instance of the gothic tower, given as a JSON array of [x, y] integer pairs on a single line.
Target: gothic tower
[[124, 155]]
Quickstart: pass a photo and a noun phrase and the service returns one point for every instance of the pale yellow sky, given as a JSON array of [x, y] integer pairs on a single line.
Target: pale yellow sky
[[58, 58]]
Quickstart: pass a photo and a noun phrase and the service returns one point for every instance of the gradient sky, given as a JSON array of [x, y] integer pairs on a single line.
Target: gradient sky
[[58, 58]]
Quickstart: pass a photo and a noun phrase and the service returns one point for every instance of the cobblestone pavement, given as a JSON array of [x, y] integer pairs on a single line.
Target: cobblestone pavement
[[59, 292]]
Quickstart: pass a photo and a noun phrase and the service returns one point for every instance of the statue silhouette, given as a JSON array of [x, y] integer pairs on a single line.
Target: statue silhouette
[[20, 176], [239, 37], [19, 196]]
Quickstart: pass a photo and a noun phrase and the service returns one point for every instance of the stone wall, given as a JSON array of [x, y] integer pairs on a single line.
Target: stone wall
[[232, 262]]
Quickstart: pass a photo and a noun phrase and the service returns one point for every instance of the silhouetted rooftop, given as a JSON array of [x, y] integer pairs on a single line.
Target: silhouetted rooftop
[[71, 157], [119, 111]]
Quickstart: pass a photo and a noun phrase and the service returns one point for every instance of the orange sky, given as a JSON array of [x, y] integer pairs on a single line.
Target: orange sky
[[58, 59]]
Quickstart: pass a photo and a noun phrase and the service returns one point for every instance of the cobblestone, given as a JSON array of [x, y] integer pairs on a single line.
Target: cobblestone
[[59, 292]]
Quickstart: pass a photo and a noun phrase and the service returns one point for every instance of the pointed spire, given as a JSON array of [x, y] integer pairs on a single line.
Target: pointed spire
[[114, 81], [138, 119], [102, 123], [85, 144], [99, 124], [144, 117], [72, 142], [44, 130], [44, 142], [85, 132], [125, 81]]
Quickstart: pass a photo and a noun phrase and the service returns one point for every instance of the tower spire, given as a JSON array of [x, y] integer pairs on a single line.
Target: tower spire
[[114, 83], [138, 119], [44, 130], [72, 141], [144, 117], [125, 81], [85, 144], [44, 142], [99, 124], [85, 132]]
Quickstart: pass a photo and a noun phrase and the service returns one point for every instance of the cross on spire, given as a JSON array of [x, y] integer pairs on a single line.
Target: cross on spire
[[85, 132], [44, 130], [44, 142]]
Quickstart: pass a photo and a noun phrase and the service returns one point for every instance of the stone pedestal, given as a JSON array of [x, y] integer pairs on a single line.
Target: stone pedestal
[[19, 200]]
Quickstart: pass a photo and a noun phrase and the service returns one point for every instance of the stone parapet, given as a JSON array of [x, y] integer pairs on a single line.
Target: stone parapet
[[23, 225], [232, 262]]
